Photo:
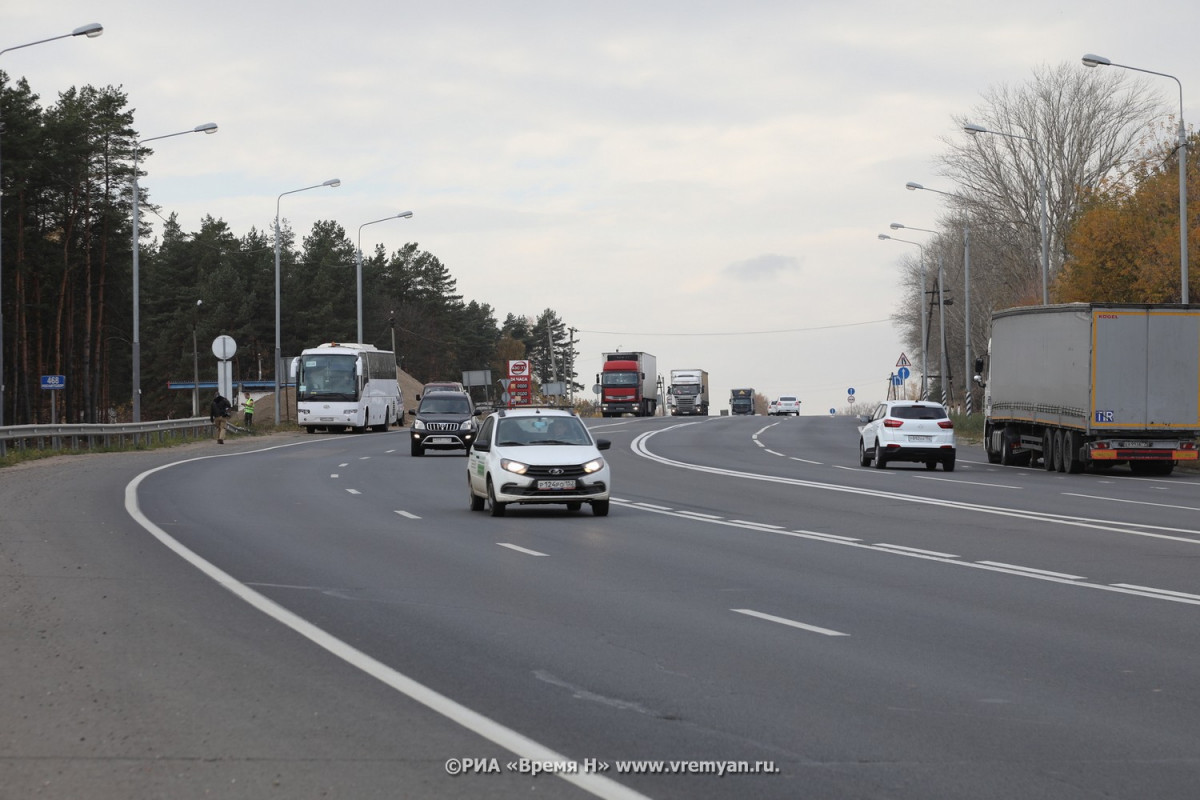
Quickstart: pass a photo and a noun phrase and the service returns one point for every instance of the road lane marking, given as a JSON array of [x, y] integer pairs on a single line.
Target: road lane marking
[[969, 483], [915, 550], [516, 743], [407, 514], [806, 461], [1019, 568], [1131, 502], [354, 491], [928, 555], [789, 622], [638, 445], [833, 536], [1168, 592], [520, 549]]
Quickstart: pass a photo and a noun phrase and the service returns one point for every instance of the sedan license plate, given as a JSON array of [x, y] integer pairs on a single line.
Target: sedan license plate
[[556, 486], [912, 437]]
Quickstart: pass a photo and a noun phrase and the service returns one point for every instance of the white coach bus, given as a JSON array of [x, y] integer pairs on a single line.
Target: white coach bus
[[347, 385]]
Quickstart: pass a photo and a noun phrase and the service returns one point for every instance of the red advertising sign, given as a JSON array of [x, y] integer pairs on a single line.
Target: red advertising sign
[[520, 391]]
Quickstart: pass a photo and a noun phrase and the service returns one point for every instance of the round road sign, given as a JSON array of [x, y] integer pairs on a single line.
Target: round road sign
[[224, 347]]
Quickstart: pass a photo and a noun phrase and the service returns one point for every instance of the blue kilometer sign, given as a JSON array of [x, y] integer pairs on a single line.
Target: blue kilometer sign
[[54, 381]]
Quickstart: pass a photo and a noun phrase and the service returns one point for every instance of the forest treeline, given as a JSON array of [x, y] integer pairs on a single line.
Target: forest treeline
[[67, 269]]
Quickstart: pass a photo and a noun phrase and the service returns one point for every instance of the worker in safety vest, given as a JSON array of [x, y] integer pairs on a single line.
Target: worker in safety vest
[[248, 410]]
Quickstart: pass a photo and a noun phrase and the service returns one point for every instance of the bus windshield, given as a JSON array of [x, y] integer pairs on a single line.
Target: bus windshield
[[327, 377]]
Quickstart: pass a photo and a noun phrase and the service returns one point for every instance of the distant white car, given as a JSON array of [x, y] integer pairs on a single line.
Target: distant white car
[[787, 404], [537, 455], [907, 430]]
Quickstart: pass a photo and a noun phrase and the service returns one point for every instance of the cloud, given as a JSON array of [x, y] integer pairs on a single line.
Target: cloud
[[763, 267]]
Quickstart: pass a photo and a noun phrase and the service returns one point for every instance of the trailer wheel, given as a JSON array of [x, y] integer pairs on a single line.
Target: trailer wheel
[[1048, 449], [1060, 447], [1007, 457], [1072, 443], [993, 455]]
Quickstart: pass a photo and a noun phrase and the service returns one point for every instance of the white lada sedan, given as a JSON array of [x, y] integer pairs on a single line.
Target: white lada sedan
[[537, 455]]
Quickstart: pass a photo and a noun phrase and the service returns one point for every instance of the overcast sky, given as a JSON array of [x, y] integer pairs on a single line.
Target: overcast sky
[[701, 180]]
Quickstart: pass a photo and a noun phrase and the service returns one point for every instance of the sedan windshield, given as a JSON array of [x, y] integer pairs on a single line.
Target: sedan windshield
[[539, 431]]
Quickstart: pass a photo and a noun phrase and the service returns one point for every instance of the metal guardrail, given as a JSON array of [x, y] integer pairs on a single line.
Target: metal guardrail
[[90, 437]]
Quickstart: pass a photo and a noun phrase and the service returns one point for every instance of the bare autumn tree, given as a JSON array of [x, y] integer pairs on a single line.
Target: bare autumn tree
[[1076, 126], [1080, 127]]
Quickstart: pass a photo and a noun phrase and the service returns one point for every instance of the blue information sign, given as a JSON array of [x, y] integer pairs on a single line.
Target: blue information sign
[[54, 381]]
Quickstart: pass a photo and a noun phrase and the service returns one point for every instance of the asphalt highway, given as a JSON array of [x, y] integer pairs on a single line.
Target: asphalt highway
[[759, 616]]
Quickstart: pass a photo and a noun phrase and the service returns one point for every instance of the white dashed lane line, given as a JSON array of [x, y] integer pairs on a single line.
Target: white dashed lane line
[[520, 549]]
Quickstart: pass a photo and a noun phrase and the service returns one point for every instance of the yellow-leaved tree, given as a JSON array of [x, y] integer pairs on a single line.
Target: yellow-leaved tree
[[1124, 245]]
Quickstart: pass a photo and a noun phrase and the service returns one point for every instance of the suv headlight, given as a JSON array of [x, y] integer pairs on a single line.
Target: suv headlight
[[595, 465], [418, 425], [469, 425]]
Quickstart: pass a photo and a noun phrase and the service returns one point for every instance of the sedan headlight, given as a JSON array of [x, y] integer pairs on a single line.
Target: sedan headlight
[[595, 465], [513, 466]]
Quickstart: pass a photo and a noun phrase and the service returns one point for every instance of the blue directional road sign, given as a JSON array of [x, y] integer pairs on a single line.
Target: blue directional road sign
[[54, 381], [903, 373]]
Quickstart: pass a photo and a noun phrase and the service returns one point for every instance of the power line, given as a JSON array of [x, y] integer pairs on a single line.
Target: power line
[[740, 333]]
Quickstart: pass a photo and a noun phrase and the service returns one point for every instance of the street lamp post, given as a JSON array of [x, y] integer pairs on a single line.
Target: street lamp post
[[91, 31], [941, 301], [913, 186], [924, 330], [195, 362], [402, 214], [278, 355], [1092, 60], [208, 127], [1043, 225]]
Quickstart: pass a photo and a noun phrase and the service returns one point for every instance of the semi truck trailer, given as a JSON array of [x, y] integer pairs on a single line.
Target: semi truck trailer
[[688, 393], [1089, 384], [741, 401], [628, 384]]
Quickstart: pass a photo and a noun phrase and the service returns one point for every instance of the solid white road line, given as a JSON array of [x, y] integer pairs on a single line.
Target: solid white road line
[[514, 742]]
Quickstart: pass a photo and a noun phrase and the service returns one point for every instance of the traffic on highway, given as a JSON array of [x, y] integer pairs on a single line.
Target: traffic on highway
[[757, 615]]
